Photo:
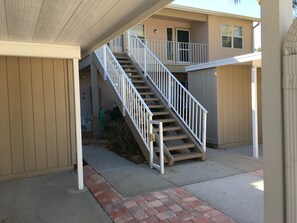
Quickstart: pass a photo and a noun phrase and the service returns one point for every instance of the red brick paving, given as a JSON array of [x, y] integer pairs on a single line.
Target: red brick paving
[[259, 173], [171, 205]]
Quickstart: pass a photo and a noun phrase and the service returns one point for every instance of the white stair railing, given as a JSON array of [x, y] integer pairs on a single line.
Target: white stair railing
[[132, 102], [178, 52], [187, 108]]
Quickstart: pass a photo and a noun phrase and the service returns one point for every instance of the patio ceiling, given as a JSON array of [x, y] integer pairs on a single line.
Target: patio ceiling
[[85, 23]]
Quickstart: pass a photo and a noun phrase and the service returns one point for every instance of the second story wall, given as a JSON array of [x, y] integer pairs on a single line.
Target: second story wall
[[161, 25], [216, 50], [199, 32]]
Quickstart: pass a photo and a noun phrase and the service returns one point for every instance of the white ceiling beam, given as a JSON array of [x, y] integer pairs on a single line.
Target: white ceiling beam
[[9, 48]]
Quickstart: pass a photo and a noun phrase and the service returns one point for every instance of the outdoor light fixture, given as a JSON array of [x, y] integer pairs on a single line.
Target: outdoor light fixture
[[155, 31]]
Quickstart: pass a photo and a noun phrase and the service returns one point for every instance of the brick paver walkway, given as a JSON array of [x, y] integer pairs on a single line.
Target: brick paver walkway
[[171, 205]]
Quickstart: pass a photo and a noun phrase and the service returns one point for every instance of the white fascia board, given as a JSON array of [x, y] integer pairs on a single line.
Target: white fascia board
[[210, 12], [228, 61], [24, 49]]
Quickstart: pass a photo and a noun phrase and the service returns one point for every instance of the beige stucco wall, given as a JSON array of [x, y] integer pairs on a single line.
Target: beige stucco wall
[[37, 119], [161, 24], [202, 85], [216, 51], [199, 32]]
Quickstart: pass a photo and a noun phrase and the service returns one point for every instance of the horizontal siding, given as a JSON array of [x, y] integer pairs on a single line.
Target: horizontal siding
[[234, 105], [36, 126], [202, 85]]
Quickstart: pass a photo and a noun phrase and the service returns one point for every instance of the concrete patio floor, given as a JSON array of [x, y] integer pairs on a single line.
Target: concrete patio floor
[[225, 181], [48, 199], [229, 182]]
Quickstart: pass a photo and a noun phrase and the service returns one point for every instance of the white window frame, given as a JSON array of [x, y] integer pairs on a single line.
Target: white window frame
[[144, 32], [232, 37]]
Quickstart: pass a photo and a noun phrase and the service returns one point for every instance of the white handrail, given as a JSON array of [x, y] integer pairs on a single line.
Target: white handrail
[[187, 108], [133, 103], [178, 52]]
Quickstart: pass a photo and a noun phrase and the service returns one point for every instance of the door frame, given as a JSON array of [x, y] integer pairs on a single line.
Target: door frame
[[178, 50]]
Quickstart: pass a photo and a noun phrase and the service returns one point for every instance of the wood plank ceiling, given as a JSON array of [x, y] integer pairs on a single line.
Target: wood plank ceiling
[[71, 22]]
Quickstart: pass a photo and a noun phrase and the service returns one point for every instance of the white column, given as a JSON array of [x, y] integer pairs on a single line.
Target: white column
[[255, 112], [276, 19], [80, 176]]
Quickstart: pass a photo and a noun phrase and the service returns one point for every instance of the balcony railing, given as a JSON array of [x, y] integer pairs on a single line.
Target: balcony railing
[[178, 52]]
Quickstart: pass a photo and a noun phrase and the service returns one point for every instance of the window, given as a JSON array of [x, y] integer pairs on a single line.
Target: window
[[139, 31], [231, 36]]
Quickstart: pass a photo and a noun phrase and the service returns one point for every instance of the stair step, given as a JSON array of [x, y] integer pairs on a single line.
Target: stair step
[[172, 148], [121, 57], [147, 93], [130, 71], [138, 81], [176, 137], [156, 106], [142, 87], [186, 156], [161, 113], [166, 120], [127, 66], [124, 61], [170, 128], [182, 146], [151, 99], [134, 76]]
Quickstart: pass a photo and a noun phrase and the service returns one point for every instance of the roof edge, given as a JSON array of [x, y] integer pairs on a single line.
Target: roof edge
[[227, 61], [210, 12]]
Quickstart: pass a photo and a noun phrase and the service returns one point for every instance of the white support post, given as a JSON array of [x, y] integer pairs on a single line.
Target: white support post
[[145, 60], [169, 89], [151, 142], [255, 112], [105, 62], [161, 148], [128, 41], [204, 130], [124, 95], [78, 125]]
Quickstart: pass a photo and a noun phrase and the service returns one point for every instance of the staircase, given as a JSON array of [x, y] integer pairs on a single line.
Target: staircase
[[178, 145], [167, 122]]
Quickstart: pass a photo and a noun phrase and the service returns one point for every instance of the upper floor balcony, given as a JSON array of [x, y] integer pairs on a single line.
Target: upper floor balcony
[[169, 52], [172, 52]]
